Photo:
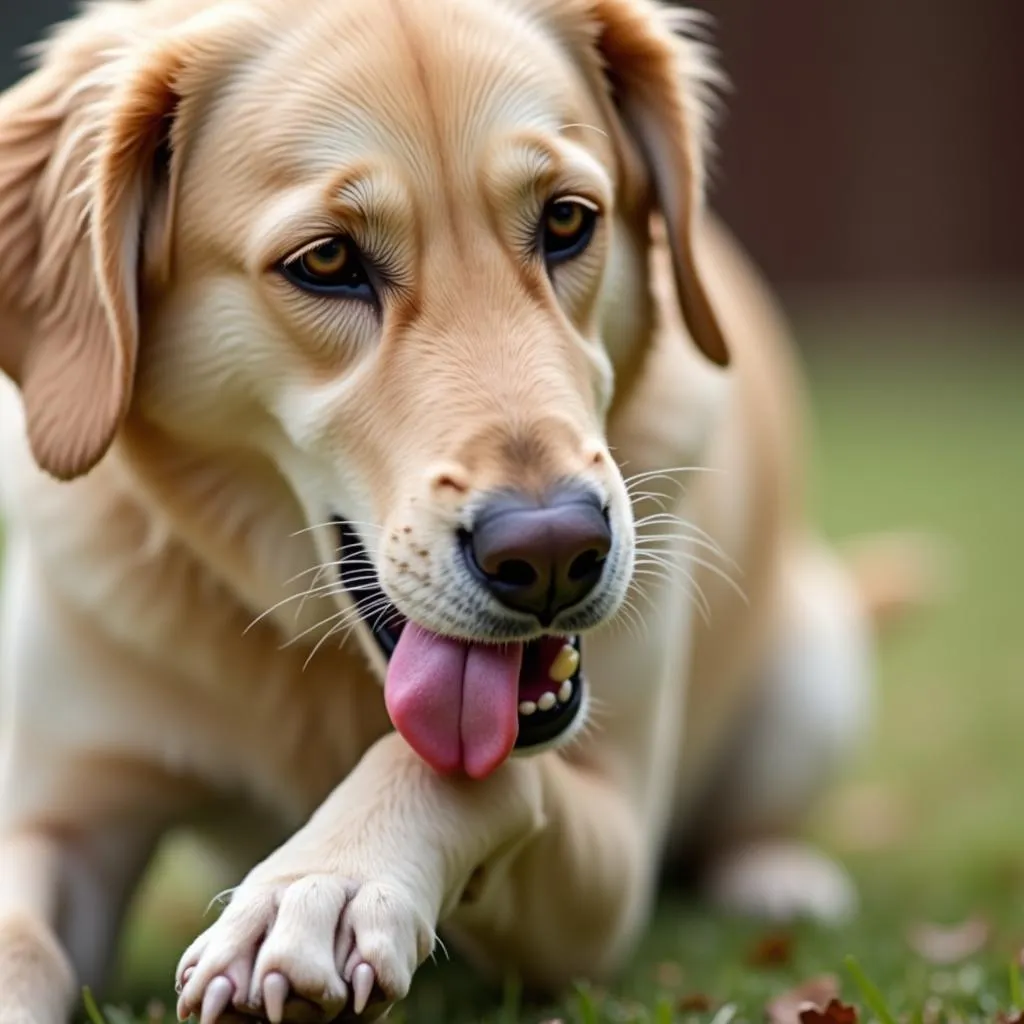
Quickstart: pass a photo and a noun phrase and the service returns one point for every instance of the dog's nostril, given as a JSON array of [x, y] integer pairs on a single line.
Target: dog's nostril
[[536, 556], [515, 573], [586, 564]]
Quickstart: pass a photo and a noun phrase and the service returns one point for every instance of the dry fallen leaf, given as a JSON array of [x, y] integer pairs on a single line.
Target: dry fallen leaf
[[695, 1002], [949, 944], [814, 993], [834, 1013], [772, 951]]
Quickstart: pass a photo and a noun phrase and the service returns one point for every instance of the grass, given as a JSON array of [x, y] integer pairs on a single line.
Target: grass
[[929, 818]]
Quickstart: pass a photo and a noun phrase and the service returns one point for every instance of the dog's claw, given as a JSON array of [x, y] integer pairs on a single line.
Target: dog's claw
[[362, 987], [182, 981], [275, 992], [218, 994]]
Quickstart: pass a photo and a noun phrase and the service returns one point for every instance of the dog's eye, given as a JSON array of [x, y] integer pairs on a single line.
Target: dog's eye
[[567, 227], [331, 266]]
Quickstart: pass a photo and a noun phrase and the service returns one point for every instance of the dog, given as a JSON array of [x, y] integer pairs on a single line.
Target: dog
[[402, 475]]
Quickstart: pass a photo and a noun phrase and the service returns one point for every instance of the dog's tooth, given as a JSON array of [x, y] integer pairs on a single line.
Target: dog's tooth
[[565, 692], [565, 664], [527, 707], [546, 701]]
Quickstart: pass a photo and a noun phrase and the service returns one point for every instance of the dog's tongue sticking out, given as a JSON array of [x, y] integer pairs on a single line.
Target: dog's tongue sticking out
[[455, 703]]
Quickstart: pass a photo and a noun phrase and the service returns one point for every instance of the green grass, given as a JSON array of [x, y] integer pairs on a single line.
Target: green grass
[[929, 818]]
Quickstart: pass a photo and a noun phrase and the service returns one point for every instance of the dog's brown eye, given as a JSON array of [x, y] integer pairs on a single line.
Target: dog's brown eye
[[332, 266], [567, 228], [326, 260], [565, 220]]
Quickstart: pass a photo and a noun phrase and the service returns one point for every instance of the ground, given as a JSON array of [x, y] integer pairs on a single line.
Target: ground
[[926, 432]]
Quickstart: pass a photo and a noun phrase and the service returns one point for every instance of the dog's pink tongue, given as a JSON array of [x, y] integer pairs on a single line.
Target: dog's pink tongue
[[456, 704]]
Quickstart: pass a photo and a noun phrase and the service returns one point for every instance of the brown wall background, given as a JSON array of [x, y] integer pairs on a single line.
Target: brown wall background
[[876, 142], [866, 142]]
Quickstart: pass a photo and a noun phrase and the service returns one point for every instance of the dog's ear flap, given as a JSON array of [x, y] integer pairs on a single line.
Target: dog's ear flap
[[657, 84], [87, 146]]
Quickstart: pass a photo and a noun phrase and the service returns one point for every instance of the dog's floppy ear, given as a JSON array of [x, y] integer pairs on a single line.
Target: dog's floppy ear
[[657, 84], [87, 152]]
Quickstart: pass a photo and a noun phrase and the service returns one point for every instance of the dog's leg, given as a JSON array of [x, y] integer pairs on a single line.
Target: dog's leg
[[811, 710], [81, 803], [62, 892], [540, 863], [36, 977]]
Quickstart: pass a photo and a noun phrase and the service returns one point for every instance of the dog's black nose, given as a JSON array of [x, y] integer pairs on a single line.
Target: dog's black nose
[[540, 557]]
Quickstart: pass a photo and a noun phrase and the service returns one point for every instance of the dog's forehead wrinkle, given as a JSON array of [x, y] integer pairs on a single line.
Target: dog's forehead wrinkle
[[345, 82]]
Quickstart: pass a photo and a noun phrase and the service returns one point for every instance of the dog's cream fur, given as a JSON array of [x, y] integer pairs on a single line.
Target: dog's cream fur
[[205, 419]]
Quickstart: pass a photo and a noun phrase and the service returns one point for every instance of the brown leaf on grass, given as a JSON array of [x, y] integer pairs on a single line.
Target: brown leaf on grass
[[695, 1002], [1010, 1018], [949, 944], [772, 951], [812, 994], [835, 1012]]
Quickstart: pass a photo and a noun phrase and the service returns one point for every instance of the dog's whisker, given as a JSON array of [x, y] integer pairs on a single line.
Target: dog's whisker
[[661, 575], [667, 472], [661, 500], [332, 588], [313, 590], [666, 518], [643, 545], [312, 569], [331, 523], [669, 475], [720, 573], [698, 596], [643, 594], [343, 630], [358, 613], [355, 614], [316, 647], [631, 619], [360, 561], [316, 626]]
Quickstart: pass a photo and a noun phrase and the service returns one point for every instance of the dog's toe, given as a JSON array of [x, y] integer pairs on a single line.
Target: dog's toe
[[305, 951]]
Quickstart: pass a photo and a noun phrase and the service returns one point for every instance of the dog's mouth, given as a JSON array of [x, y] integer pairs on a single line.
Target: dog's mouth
[[464, 705]]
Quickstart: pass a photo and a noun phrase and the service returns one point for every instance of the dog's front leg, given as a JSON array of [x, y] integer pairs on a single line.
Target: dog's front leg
[[342, 915], [568, 904]]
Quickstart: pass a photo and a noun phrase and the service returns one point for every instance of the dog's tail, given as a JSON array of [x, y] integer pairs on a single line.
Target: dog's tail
[[897, 574]]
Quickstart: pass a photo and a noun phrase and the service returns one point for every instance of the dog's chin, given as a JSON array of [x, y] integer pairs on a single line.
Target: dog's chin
[[553, 694]]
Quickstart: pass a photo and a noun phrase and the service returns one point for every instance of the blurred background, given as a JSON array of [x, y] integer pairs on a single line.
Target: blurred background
[[872, 145], [872, 160]]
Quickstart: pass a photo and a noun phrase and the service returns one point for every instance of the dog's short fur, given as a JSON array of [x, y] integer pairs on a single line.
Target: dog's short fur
[[183, 422]]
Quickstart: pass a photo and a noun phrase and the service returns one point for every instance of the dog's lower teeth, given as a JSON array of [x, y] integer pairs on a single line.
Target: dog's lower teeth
[[565, 693], [527, 707], [546, 701]]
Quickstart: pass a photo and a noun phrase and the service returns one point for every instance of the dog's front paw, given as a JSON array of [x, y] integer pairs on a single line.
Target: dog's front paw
[[309, 949], [781, 881]]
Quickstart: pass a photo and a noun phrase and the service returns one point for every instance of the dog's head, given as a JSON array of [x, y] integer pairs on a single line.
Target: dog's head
[[398, 252]]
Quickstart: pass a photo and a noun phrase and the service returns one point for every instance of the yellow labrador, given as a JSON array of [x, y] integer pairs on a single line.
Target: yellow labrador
[[396, 463]]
